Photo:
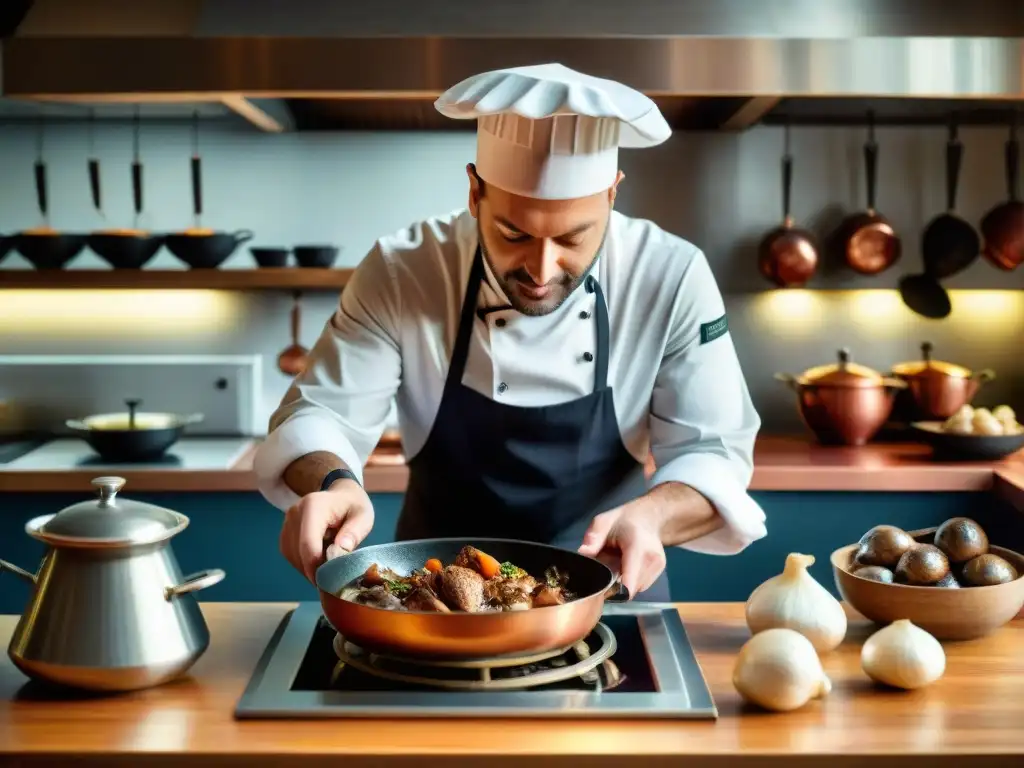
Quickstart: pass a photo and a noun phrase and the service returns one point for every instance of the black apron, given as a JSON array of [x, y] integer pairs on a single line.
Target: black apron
[[532, 473]]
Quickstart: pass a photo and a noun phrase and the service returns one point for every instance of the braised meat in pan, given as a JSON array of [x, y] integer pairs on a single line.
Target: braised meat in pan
[[474, 583]]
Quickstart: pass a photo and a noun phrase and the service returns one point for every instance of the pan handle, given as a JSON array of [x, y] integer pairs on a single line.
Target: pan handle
[[954, 158], [1012, 159], [871, 163], [986, 374], [616, 592]]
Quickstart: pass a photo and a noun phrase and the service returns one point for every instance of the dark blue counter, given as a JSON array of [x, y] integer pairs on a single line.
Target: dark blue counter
[[239, 532]]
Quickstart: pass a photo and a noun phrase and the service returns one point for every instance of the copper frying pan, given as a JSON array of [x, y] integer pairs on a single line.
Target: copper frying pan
[[788, 255], [457, 635], [1002, 229], [870, 242]]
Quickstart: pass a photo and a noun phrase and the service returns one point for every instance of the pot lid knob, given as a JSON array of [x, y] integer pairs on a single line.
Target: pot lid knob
[[108, 488]]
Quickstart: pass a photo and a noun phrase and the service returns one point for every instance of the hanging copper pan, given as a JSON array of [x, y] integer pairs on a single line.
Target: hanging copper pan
[[871, 244], [788, 255], [1002, 229]]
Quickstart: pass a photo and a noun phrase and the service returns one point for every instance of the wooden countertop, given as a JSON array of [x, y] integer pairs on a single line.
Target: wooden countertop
[[972, 717], [780, 464]]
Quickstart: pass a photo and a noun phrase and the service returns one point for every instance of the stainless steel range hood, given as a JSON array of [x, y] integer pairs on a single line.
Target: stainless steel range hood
[[314, 64]]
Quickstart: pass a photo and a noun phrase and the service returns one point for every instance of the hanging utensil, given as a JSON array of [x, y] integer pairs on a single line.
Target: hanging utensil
[[197, 247], [94, 165], [1002, 229], [788, 255], [44, 247], [871, 243], [948, 246], [292, 361], [128, 248]]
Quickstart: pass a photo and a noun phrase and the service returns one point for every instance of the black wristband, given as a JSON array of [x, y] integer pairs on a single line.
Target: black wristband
[[338, 474]]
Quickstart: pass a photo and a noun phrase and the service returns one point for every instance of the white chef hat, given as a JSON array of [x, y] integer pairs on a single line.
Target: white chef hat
[[550, 132]]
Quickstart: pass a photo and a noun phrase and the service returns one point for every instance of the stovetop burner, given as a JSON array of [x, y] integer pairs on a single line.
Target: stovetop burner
[[506, 673], [637, 663]]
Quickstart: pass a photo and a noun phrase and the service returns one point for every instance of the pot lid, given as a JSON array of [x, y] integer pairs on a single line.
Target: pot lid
[[844, 373], [112, 520], [918, 367]]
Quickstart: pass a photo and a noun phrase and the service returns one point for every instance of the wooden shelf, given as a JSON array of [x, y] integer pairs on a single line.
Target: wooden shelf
[[289, 279]]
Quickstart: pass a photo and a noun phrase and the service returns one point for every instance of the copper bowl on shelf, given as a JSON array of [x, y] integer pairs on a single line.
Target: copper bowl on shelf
[[948, 614], [843, 403], [936, 389]]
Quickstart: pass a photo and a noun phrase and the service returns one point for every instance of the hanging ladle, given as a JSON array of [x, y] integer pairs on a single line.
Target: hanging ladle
[[292, 361]]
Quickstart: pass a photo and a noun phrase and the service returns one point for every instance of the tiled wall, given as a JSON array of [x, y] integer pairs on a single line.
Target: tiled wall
[[719, 190]]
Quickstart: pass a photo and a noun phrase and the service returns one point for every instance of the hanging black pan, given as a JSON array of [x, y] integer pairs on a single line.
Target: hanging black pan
[[198, 247], [44, 247], [128, 248], [949, 245], [458, 634]]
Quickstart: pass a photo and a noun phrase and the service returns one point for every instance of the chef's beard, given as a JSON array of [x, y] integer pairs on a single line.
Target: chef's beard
[[561, 288]]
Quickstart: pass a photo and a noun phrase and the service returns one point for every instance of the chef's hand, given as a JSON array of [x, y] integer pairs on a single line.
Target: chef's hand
[[628, 540], [331, 523]]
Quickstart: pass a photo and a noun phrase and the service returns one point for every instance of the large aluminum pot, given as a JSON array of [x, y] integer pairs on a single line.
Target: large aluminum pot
[[936, 389], [843, 403], [110, 609]]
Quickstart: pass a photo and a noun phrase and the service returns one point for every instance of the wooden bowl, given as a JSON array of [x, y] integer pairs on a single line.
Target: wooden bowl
[[948, 614]]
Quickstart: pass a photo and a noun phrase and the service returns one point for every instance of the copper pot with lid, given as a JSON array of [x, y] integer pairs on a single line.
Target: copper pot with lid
[[843, 403], [938, 389]]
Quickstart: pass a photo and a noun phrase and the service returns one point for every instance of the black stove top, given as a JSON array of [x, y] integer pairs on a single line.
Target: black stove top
[[651, 673]]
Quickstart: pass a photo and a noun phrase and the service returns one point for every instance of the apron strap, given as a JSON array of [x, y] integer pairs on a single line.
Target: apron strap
[[602, 334], [457, 366]]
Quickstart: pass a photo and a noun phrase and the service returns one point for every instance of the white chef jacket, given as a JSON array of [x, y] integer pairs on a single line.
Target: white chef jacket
[[678, 387]]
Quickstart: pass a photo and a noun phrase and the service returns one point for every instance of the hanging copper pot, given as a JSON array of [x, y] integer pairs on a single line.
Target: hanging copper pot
[[1002, 228], [292, 361], [938, 389], [843, 403]]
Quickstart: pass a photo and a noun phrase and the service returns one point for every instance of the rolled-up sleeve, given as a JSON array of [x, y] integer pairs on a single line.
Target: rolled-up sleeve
[[341, 401], [703, 422]]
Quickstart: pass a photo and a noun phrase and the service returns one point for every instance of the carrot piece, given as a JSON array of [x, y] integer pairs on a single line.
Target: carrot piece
[[487, 565], [433, 565]]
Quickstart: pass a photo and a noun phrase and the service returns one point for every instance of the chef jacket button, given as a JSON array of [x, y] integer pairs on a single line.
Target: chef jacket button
[[584, 315], [500, 322], [502, 387], [588, 356]]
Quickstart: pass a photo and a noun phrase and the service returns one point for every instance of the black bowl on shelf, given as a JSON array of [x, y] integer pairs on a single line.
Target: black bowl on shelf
[[954, 447], [205, 248], [127, 250], [5, 245], [315, 256], [273, 258], [48, 250]]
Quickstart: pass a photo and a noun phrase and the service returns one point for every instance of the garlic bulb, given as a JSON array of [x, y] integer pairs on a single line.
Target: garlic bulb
[[779, 669], [795, 600], [903, 655]]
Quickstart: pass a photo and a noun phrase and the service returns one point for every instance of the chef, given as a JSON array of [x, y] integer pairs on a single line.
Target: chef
[[538, 345]]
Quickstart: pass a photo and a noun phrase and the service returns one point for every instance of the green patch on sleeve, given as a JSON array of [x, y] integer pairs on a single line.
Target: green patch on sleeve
[[712, 330]]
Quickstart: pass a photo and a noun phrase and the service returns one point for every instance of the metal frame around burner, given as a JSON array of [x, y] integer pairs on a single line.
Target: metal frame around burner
[[682, 690]]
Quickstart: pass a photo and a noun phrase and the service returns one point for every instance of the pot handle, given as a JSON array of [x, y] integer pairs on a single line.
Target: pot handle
[[616, 592], [243, 236], [29, 577], [192, 418], [985, 374], [194, 582], [789, 380], [76, 424]]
